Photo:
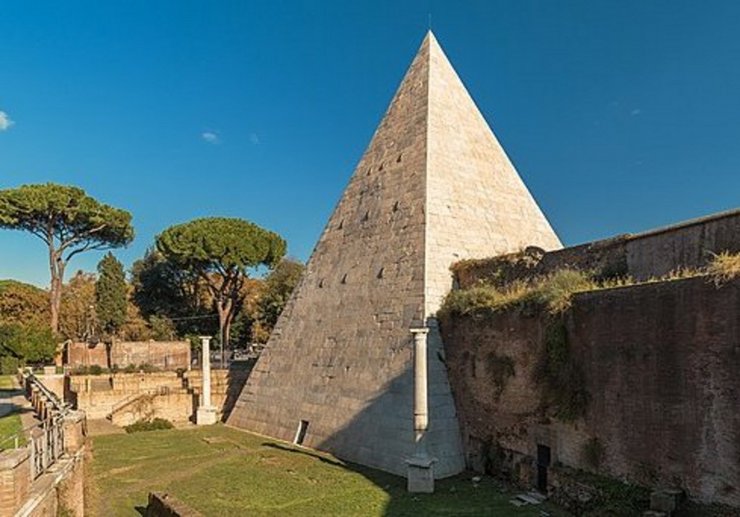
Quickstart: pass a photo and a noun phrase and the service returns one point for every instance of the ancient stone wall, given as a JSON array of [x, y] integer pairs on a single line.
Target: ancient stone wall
[[169, 395], [659, 364], [642, 256], [165, 355]]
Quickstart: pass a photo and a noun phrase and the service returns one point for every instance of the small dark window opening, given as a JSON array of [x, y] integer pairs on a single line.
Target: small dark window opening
[[380, 272], [381, 167], [344, 278], [366, 216], [321, 283], [341, 225], [395, 206], [300, 434], [398, 160], [369, 170]]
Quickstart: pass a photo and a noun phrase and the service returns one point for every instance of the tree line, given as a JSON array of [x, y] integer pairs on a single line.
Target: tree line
[[216, 276]]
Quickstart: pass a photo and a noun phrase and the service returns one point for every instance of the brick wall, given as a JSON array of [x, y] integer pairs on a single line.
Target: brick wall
[[166, 355], [642, 256], [659, 363]]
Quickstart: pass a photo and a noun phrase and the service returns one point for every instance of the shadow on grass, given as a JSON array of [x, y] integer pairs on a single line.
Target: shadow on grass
[[458, 495], [307, 452]]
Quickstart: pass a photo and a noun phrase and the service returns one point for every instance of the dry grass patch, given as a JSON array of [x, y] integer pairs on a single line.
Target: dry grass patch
[[724, 267]]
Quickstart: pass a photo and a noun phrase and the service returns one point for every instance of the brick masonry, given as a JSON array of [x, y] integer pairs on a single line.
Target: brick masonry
[[660, 365], [433, 186], [687, 245], [166, 355]]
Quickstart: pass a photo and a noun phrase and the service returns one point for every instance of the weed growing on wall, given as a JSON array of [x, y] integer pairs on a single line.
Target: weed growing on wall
[[554, 292], [500, 368], [724, 267], [560, 376]]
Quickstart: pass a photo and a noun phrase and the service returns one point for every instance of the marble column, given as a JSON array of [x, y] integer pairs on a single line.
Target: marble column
[[206, 414], [420, 477]]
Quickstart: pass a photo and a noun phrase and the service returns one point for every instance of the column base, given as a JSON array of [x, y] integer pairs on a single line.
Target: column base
[[420, 474], [206, 415]]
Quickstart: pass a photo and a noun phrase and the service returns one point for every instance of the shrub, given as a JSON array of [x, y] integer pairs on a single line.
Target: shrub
[[724, 267], [471, 300], [553, 292], [556, 290], [89, 370], [9, 364], [95, 369], [149, 425]]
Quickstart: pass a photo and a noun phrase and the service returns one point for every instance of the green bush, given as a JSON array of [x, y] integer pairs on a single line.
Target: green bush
[[149, 425], [94, 369], [9, 365], [30, 343]]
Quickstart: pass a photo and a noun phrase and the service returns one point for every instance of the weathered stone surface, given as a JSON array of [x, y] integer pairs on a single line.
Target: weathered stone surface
[[434, 186], [165, 355]]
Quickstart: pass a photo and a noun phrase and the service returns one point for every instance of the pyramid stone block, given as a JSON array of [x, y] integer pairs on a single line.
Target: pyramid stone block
[[433, 187]]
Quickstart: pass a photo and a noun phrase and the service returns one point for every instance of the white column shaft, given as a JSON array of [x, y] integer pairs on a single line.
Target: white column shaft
[[206, 342], [421, 412]]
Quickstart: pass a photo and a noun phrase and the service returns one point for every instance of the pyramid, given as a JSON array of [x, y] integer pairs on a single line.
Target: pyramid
[[433, 187]]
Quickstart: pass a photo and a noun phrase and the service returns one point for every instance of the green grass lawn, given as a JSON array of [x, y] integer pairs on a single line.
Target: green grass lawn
[[6, 382], [225, 472], [10, 424]]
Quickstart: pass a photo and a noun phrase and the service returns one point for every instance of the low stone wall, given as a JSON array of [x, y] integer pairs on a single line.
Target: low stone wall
[[657, 363], [171, 395], [57, 490], [177, 406], [641, 256], [165, 355]]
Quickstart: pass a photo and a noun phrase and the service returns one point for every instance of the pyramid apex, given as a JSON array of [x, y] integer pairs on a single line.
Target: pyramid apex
[[430, 38]]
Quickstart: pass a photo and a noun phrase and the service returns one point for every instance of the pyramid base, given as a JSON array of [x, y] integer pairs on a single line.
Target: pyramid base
[[206, 415]]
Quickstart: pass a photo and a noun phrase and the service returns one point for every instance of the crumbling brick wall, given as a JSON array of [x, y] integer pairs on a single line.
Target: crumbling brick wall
[[660, 365]]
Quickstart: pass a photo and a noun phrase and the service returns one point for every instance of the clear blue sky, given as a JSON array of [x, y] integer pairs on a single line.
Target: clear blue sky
[[620, 116]]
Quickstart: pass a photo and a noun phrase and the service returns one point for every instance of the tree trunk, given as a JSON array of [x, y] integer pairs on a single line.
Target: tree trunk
[[225, 317], [56, 265]]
